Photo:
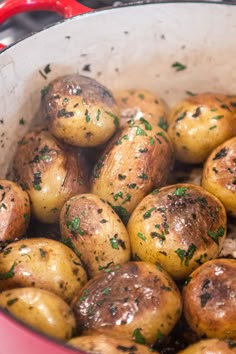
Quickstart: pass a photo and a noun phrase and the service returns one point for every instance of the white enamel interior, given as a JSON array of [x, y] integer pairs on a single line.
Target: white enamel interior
[[128, 47]]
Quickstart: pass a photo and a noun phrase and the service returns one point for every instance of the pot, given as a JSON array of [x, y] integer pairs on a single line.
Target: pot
[[135, 45]]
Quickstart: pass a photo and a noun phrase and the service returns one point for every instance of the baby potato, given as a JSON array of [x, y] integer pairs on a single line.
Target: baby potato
[[209, 299], [180, 226], [211, 346], [136, 301], [50, 172], [96, 232], [136, 161], [42, 263], [102, 344], [198, 124], [80, 111], [14, 211], [219, 174], [135, 104], [41, 309]]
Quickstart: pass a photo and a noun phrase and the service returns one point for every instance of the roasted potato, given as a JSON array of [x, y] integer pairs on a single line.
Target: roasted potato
[[50, 172], [198, 124], [41, 263], [96, 231], [211, 346], [180, 226], [80, 111], [136, 161], [135, 301], [101, 344], [15, 211], [41, 309], [219, 174], [209, 299], [136, 104]]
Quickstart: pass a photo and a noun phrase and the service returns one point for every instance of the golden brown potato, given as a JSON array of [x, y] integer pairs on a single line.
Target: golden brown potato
[[41, 263], [136, 301], [136, 161], [102, 344], [40, 309], [14, 211], [136, 104], [211, 346], [96, 232], [80, 111], [219, 174], [198, 124], [50, 172], [180, 226], [209, 299]]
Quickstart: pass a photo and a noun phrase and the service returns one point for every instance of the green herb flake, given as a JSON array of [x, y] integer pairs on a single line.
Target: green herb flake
[[152, 141], [37, 180], [180, 191], [179, 66], [147, 125], [220, 154], [140, 235], [9, 274], [12, 301], [103, 221], [213, 127], [181, 116], [190, 93], [160, 335], [163, 124], [217, 234], [118, 195], [155, 191], [68, 242], [98, 114], [22, 121], [114, 242], [215, 169], [84, 296], [218, 117], [162, 134], [141, 96], [143, 176], [115, 118], [106, 291], [74, 226], [140, 132], [148, 213], [42, 253], [132, 185], [204, 298], [44, 91], [121, 177], [186, 255], [138, 337]]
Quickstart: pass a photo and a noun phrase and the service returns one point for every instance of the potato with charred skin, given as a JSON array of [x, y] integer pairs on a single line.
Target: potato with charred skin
[[198, 124], [41, 309], [219, 174], [211, 346], [42, 263], [50, 172], [102, 344], [14, 211], [96, 231], [209, 299], [136, 104], [138, 159], [136, 301], [80, 111], [180, 226]]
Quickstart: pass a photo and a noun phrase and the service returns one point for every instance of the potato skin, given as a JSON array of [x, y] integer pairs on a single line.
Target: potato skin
[[102, 344], [180, 226], [15, 211], [198, 124], [211, 346], [80, 111], [136, 301], [41, 309], [41, 263], [209, 299], [50, 172], [96, 232], [136, 161], [219, 174]]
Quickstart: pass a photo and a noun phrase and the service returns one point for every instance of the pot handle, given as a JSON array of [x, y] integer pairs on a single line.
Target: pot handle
[[66, 8]]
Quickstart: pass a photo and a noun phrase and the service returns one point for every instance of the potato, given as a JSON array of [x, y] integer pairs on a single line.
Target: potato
[[198, 124], [136, 104], [80, 111], [136, 161], [219, 174], [41, 263], [209, 299], [180, 226], [14, 211], [41, 309], [96, 232], [135, 301], [50, 172], [102, 344], [211, 346]]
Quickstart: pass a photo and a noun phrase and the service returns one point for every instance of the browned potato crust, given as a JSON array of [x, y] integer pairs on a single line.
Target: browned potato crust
[[14, 211], [211, 346], [80, 111], [198, 124], [136, 301], [209, 299], [219, 174], [96, 232], [180, 226]]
